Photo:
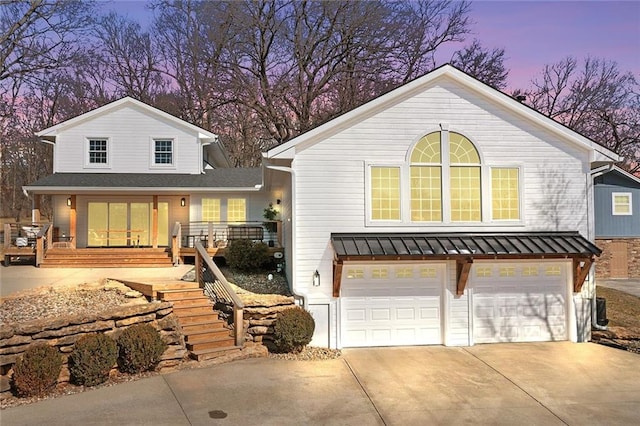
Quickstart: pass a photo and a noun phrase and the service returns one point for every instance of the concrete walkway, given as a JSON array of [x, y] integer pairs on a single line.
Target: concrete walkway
[[17, 278], [631, 286], [503, 384]]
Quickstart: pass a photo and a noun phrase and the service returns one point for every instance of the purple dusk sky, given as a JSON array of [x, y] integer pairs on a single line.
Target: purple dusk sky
[[533, 33]]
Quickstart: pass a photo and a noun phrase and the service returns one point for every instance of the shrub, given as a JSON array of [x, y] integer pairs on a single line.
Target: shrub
[[92, 358], [37, 371], [139, 348], [247, 255], [293, 330]]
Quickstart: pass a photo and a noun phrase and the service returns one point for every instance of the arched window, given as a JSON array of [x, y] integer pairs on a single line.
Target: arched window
[[444, 175]]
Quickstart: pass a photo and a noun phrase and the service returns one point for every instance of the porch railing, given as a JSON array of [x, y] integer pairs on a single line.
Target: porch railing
[[37, 236], [218, 234], [216, 286]]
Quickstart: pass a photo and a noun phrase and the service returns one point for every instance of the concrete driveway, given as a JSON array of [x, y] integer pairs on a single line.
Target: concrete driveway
[[631, 286], [530, 383]]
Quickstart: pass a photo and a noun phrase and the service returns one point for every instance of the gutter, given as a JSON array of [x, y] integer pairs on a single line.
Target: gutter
[[299, 296]]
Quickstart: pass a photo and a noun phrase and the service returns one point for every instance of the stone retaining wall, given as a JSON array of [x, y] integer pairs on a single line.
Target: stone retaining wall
[[64, 332], [260, 312]]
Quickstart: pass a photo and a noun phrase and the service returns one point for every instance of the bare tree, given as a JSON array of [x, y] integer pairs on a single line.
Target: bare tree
[[594, 98], [484, 64]]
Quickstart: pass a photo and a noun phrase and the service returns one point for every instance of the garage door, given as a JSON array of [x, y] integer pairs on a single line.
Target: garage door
[[391, 305], [519, 302]]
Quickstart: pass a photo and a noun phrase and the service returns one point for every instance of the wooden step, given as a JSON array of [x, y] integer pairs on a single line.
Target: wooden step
[[196, 302], [191, 311], [203, 355], [206, 335], [202, 326], [180, 294], [107, 257], [219, 342], [198, 319]]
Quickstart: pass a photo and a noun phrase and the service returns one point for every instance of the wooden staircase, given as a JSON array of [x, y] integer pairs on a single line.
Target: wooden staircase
[[107, 258], [206, 335]]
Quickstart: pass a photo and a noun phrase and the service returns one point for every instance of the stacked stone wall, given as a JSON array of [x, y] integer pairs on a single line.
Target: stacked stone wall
[[603, 263], [63, 332]]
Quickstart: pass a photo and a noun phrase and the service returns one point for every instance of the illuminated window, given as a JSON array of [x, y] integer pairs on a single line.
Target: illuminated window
[[621, 203], [211, 210], [505, 196], [426, 180], [379, 273], [483, 271], [466, 205], [404, 272], [552, 270], [530, 271], [236, 210], [355, 273], [427, 272], [507, 271], [385, 193]]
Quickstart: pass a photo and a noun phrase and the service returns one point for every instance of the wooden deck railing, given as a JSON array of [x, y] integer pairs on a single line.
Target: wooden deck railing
[[216, 286], [218, 234], [176, 237]]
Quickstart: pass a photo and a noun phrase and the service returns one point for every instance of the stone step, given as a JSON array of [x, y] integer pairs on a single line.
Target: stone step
[[205, 354]]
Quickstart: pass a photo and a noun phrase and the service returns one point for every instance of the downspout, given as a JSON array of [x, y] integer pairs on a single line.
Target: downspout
[[299, 296], [594, 299]]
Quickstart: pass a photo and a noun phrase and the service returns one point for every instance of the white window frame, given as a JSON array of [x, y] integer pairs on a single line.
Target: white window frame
[[87, 156], [521, 195], [613, 203], [152, 153], [368, 201]]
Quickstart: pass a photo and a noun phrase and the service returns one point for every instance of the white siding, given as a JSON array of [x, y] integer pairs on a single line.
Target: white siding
[[456, 311], [130, 132], [330, 178]]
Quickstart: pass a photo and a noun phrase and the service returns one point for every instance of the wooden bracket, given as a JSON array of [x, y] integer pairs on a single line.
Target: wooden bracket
[[337, 277], [463, 267], [581, 268]]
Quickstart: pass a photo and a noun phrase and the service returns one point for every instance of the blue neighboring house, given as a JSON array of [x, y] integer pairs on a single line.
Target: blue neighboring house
[[617, 220]]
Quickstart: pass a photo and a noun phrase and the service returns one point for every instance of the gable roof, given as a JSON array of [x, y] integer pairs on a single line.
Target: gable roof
[[598, 172], [213, 180], [288, 149], [204, 136]]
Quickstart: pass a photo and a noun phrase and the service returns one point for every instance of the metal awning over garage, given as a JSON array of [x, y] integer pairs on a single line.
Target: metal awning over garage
[[464, 247]]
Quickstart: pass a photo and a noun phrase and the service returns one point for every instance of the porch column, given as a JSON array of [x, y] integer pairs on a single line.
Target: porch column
[[154, 223], [35, 209], [73, 220]]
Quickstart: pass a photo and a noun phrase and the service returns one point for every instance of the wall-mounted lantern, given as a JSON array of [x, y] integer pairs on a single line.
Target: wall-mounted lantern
[[69, 201], [316, 279], [183, 202]]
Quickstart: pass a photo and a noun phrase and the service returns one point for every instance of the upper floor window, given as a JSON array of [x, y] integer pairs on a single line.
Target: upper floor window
[[98, 151], [446, 181], [621, 204], [163, 152]]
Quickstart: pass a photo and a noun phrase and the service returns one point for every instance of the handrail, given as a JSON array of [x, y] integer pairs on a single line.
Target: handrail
[[176, 237], [43, 238], [216, 286]]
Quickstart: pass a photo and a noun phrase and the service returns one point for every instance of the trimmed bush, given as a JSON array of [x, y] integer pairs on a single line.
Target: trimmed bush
[[247, 255], [139, 348], [293, 330], [36, 372], [92, 358]]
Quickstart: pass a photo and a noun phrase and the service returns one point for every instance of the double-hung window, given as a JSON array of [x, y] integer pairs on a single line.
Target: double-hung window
[[163, 152], [98, 152], [621, 204]]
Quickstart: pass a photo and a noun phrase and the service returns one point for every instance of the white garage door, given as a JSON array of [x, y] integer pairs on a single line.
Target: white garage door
[[391, 305], [524, 302]]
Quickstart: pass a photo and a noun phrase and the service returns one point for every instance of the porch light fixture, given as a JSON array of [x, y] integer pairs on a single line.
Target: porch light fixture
[[316, 279], [278, 201], [183, 202], [69, 201]]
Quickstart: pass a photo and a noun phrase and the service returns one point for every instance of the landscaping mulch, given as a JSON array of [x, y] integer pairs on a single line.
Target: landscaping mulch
[[623, 313]]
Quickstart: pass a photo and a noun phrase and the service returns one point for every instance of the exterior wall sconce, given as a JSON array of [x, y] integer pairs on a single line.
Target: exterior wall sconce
[[278, 201], [316, 279], [183, 202], [69, 202]]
